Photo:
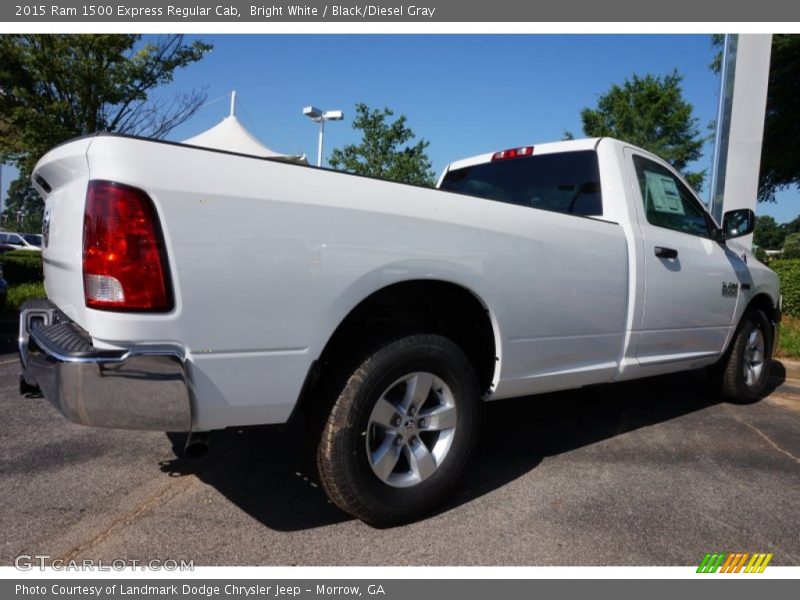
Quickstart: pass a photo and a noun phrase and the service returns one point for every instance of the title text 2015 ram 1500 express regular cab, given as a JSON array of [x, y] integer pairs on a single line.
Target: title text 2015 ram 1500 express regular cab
[[194, 289]]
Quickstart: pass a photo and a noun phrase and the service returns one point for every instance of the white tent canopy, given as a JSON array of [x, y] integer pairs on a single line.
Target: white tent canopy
[[231, 135]]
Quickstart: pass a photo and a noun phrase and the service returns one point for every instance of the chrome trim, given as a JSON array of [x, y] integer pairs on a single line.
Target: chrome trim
[[42, 309], [143, 388], [159, 350]]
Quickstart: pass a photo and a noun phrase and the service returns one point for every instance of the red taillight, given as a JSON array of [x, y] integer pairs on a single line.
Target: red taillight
[[124, 265], [512, 153]]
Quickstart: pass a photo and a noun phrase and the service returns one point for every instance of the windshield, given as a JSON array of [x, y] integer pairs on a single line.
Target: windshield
[[34, 239], [566, 182]]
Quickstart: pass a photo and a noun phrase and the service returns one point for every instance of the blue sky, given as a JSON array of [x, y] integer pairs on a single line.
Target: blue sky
[[466, 94]]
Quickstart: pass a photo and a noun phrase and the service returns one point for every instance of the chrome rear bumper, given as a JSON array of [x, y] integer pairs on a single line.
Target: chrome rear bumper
[[143, 387]]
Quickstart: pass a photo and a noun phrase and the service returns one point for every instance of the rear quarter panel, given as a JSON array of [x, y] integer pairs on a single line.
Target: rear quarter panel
[[267, 258]]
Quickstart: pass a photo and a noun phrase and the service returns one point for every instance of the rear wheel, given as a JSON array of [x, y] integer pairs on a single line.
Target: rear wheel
[[742, 374], [401, 431]]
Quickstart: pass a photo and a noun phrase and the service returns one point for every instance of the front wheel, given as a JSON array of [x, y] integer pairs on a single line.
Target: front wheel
[[401, 431], [742, 374]]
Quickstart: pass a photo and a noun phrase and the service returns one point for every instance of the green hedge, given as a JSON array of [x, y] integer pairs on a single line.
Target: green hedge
[[789, 272], [22, 266]]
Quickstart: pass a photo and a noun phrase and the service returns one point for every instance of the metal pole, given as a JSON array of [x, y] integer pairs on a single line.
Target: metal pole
[[737, 159], [723, 125], [321, 138]]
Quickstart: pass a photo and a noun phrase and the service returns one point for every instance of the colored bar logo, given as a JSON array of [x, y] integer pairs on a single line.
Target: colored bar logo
[[736, 562]]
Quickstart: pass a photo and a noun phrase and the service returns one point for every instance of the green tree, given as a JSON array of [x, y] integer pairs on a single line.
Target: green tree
[[717, 41], [24, 207], [768, 234], [384, 150], [780, 152], [649, 111], [792, 226], [56, 87], [791, 247]]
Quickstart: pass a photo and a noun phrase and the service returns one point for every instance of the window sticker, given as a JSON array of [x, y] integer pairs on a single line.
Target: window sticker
[[662, 193]]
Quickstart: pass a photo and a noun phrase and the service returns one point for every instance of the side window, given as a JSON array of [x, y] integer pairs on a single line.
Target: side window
[[3, 238], [668, 202]]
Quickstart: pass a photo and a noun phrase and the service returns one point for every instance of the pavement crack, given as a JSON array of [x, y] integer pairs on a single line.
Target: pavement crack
[[766, 438], [169, 492]]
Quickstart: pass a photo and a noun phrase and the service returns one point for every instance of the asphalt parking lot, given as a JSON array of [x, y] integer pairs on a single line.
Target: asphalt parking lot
[[654, 472]]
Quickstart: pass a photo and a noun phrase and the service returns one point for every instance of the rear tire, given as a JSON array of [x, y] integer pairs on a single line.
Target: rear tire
[[401, 431], [742, 374]]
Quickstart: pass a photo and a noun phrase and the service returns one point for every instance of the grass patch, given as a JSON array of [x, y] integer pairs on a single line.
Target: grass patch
[[789, 343], [17, 294]]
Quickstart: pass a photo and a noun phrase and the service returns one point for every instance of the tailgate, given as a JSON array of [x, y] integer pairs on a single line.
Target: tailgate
[[61, 177]]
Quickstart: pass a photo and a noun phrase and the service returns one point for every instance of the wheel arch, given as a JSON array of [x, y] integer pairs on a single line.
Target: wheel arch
[[740, 375], [413, 306], [763, 302]]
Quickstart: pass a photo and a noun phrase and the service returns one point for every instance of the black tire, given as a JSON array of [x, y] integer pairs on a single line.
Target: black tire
[[732, 378], [344, 458]]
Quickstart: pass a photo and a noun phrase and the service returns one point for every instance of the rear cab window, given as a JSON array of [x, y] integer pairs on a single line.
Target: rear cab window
[[565, 182]]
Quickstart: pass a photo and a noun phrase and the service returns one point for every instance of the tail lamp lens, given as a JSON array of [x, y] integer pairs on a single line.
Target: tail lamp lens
[[512, 153], [124, 263]]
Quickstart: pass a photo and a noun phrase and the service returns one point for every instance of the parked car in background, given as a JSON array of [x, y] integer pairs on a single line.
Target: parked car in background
[[21, 241]]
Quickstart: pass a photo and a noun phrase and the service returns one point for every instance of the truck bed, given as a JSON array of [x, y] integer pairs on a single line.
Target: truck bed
[[267, 258]]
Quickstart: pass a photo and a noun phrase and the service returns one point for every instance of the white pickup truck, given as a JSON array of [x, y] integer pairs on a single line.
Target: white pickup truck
[[193, 289]]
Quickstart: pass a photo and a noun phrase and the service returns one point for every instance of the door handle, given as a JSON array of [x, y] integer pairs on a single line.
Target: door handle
[[662, 252]]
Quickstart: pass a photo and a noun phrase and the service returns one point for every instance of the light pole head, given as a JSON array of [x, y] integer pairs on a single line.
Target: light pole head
[[318, 116], [312, 112]]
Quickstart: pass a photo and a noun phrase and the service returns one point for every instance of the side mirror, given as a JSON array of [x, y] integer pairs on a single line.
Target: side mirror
[[737, 223]]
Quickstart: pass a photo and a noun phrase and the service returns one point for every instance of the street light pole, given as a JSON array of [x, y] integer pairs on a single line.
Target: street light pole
[[321, 141], [320, 117]]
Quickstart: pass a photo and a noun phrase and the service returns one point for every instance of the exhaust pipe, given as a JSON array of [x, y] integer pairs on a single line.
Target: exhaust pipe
[[196, 445]]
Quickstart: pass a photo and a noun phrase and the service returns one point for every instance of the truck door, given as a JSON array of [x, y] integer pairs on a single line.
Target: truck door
[[691, 283]]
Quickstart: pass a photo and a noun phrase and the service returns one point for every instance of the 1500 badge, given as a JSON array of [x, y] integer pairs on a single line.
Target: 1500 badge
[[730, 289]]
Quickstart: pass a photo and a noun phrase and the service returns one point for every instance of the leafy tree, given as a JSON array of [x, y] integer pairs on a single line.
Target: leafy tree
[[56, 87], [768, 234], [24, 207], [780, 152], [791, 247], [384, 150], [717, 41], [649, 111], [792, 226]]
